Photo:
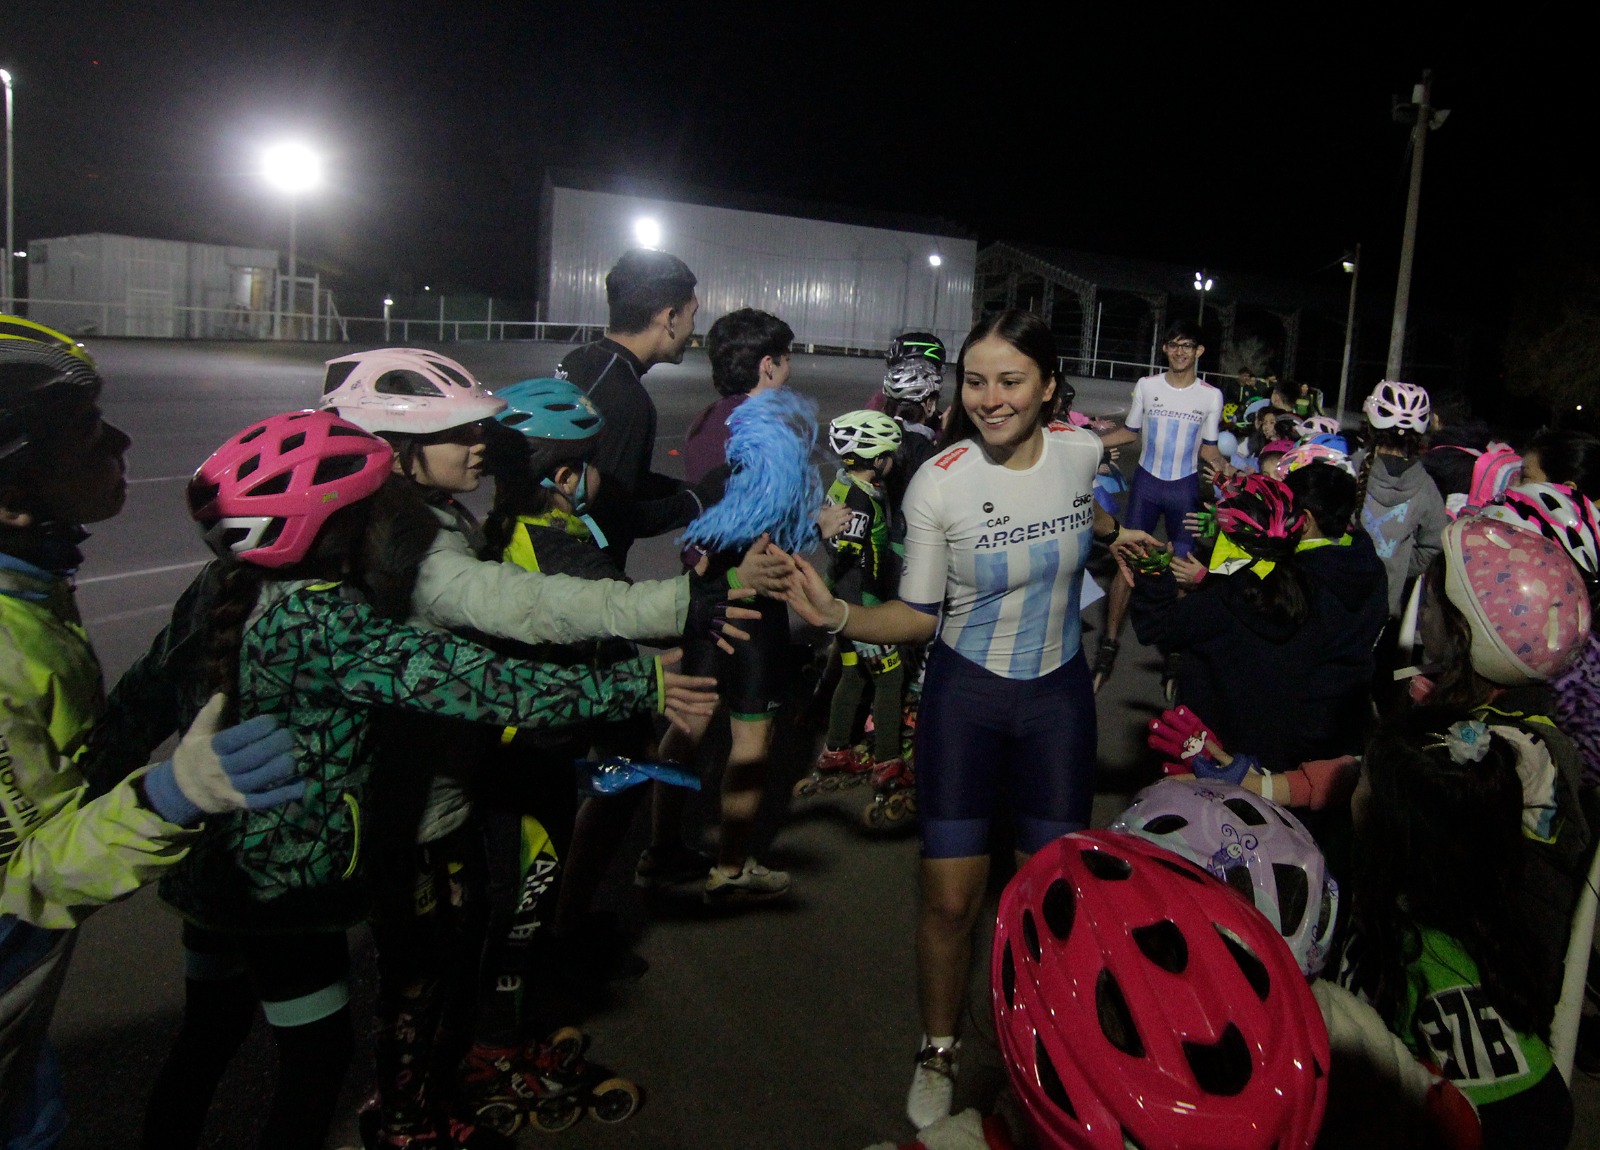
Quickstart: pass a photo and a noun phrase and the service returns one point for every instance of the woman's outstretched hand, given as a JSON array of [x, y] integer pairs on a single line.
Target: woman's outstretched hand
[[810, 597], [686, 700]]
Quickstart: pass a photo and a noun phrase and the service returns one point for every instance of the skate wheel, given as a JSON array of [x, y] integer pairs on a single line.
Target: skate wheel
[[828, 783], [501, 1117], [555, 1114], [895, 808], [567, 1045], [911, 802], [806, 787], [873, 815], [614, 1100]]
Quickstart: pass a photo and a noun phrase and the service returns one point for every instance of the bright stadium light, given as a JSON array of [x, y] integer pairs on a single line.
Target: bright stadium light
[[293, 169], [648, 232], [935, 260]]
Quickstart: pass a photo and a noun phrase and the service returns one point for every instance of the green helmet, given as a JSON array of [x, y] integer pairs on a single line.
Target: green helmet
[[863, 435]]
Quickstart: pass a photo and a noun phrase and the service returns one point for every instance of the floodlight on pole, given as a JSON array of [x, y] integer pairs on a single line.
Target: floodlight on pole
[[293, 169], [647, 232], [1202, 284], [1352, 267], [388, 302], [7, 297]]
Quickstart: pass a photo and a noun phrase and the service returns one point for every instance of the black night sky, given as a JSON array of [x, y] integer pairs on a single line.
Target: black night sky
[[1255, 139]]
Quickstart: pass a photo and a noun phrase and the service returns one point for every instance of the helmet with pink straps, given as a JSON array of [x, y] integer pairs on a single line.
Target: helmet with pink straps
[[265, 493], [1140, 1002], [1521, 595], [1560, 514], [1258, 513], [1308, 453], [1399, 405], [1253, 845], [405, 389]]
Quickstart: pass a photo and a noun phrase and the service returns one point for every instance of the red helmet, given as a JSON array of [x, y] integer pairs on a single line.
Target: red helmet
[[1258, 513], [265, 493], [1139, 1001]]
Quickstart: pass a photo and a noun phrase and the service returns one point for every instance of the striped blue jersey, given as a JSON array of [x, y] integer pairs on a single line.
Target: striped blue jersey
[[1173, 422], [1000, 552]]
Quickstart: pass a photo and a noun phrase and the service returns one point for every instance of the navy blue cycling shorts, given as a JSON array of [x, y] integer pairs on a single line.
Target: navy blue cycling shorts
[[983, 739], [1150, 498]]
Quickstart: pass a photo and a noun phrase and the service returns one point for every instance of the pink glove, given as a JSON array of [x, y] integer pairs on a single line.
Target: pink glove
[[1180, 735]]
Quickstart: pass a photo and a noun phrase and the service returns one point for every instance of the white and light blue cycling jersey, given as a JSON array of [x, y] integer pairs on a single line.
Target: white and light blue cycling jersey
[[1173, 422], [1000, 552]]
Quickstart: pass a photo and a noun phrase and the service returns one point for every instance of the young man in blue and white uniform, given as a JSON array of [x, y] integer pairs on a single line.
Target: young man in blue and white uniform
[[1179, 417]]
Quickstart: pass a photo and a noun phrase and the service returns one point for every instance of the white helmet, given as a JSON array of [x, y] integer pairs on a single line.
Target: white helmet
[[863, 435], [1319, 425], [1400, 405], [912, 378], [405, 389], [1560, 514]]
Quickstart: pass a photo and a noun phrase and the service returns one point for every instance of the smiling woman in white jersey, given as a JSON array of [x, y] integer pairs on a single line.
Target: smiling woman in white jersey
[[998, 527]]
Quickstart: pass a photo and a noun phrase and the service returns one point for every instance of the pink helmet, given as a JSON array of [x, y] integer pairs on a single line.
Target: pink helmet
[[405, 389], [1520, 594], [1139, 1001], [1319, 425], [1560, 514], [265, 493], [1307, 453], [1401, 405], [1258, 513], [1253, 845]]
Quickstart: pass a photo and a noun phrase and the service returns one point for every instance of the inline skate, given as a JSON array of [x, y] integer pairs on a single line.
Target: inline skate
[[547, 1085], [894, 795], [835, 770]]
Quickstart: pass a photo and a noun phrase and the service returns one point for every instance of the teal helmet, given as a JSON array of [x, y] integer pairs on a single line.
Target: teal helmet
[[549, 409]]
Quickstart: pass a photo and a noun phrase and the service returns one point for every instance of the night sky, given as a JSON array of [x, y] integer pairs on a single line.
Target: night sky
[[1258, 140]]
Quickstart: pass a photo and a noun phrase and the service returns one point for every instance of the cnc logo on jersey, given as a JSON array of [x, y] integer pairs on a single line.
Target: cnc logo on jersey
[[944, 461], [988, 508]]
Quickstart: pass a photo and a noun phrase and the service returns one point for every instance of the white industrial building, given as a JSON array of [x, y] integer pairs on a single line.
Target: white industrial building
[[842, 280], [111, 285]]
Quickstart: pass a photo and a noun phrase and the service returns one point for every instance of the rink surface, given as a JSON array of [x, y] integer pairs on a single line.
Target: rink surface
[[788, 1027]]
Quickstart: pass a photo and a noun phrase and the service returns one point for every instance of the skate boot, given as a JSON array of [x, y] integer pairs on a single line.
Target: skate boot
[[894, 795], [547, 1085], [433, 1132], [845, 767]]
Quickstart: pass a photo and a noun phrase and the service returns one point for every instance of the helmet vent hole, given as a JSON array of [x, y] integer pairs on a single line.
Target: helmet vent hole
[[1181, 870], [1059, 907], [1238, 877], [1221, 1068], [270, 534], [1049, 1080], [275, 485], [1253, 969], [405, 383], [1116, 1020], [247, 468], [1165, 824], [337, 467], [1294, 896], [1247, 811], [337, 374], [1163, 944], [1030, 935], [1008, 976], [292, 443], [350, 432], [201, 494], [1327, 910], [252, 434], [1107, 867]]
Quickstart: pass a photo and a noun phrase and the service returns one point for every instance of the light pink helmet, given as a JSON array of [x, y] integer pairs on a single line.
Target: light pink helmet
[[1521, 595], [1560, 514], [1400, 405], [265, 493], [1140, 1002], [1308, 453], [405, 389], [1319, 425]]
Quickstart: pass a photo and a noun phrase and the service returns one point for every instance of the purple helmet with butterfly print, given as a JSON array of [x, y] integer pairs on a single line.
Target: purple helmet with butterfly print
[[1253, 845]]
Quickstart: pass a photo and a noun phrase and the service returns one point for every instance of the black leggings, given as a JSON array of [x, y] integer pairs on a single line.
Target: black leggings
[[300, 980]]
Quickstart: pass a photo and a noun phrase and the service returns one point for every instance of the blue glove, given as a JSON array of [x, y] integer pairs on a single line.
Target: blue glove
[[616, 774], [1205, 767], [243, 767]]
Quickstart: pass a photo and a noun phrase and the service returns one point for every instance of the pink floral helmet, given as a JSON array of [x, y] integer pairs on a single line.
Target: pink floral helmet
[[1521, 595]]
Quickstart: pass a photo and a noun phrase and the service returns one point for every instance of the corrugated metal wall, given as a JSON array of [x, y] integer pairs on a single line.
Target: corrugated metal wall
[[837, 285]]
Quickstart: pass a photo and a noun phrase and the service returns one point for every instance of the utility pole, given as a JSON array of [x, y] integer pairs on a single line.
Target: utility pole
[[1353, 266], [1423, 118]]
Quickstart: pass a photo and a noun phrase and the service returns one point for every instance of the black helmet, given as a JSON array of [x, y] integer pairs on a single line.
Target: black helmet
[[923, 344], [35, 378]]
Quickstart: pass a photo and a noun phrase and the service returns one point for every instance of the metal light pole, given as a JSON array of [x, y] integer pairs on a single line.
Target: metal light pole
[[7, 295], [1353, 266], [1423, 118], [293, 169], [933, 262], [388, 302]]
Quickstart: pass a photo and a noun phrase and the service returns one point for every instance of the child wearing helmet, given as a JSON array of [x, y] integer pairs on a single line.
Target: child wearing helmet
[[1400, 506], [303, 617], [1444, 945], [64, 852], [862, 572]]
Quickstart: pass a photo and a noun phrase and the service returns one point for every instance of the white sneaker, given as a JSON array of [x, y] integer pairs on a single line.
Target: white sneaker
[[933, 1085], [754, 883]]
